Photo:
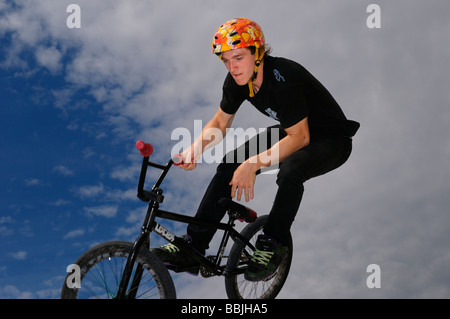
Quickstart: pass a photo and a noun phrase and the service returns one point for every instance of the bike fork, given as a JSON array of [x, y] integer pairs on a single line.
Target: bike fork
[[142, 241]]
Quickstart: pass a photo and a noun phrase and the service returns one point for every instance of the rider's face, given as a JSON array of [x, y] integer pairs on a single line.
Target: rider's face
[[240, 63]]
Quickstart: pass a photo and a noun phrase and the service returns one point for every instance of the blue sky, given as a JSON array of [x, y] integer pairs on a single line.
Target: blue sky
[[51, 171], [74, 102]]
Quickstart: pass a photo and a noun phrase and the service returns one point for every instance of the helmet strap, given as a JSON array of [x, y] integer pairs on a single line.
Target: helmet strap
[[255, 72]]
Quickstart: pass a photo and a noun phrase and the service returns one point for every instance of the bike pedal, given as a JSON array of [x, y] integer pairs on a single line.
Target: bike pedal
[[204, 271]]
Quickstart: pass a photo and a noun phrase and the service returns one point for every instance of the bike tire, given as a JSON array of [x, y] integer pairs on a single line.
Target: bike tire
[[101, 268], [237, 287]]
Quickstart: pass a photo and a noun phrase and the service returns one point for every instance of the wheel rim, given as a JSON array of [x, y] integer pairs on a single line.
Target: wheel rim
[[101, 278]]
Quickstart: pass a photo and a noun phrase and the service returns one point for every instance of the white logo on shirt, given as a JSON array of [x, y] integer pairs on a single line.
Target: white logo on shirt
[[278, 76], [272, 113]]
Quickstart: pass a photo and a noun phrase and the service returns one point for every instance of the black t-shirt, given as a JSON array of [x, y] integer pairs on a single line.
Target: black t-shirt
[[288, 94]]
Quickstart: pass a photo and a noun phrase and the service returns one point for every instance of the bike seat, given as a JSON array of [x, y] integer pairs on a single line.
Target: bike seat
[[243, 212]]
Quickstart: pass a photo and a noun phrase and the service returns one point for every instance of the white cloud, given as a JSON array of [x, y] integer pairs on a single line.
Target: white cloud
[[12, 292], [90, 191], [19, 255], [120, 195], [74, 233], [50, 58], [60, 202], [63, 170], [125, 173], [104, 211], [33, 182], [6, 219]]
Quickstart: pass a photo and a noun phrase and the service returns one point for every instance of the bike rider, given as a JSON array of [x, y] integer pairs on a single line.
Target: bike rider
[[314, 137]]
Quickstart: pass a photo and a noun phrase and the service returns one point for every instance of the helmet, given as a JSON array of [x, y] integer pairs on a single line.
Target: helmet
[[237, 33]]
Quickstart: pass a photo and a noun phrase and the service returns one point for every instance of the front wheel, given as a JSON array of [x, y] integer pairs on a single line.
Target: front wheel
[[101, 268], [237, 287]]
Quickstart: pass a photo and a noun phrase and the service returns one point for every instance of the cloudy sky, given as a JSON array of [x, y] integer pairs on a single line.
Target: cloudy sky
[[75, 100]]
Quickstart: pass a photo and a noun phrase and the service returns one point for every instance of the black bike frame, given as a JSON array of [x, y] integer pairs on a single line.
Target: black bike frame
[[155, 197]]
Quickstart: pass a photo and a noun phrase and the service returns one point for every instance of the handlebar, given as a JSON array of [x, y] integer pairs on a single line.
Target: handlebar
[[177, 160], [146, 149]]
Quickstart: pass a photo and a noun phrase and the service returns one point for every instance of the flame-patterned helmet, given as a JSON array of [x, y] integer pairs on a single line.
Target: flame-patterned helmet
[[237, 33]]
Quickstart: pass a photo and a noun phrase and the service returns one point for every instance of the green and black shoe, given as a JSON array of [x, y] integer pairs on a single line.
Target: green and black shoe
[[266, 259], [175, 259]]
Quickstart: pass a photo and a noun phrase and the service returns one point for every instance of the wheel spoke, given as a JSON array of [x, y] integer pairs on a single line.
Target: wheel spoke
[[102, 268]]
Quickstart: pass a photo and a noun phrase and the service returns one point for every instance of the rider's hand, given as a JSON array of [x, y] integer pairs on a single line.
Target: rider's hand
[[244, 180], [189, 158]]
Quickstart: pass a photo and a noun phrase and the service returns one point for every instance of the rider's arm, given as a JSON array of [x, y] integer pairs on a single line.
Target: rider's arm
[[215, 130], [244, 177], [297, 138], [212, 134]]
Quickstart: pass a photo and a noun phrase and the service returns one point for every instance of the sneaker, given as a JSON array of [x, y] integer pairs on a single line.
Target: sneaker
[[266, 259], [175, 259]]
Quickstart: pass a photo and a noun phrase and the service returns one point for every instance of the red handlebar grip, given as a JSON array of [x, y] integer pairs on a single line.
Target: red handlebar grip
[[177, 160], [146, 149]]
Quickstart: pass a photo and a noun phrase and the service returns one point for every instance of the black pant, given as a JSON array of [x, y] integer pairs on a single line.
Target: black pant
[[322, 155]]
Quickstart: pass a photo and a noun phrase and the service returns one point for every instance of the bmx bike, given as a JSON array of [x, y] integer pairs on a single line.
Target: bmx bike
[[125, 270]]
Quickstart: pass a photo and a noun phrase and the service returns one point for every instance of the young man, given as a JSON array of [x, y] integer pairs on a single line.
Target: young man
[[314, 137]]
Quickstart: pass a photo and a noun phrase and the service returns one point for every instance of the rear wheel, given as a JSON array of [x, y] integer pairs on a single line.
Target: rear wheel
[[101, 269], [237, 287]]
